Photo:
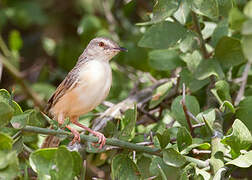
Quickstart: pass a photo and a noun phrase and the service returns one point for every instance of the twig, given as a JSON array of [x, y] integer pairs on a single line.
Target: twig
[[201, 40], [243, 84], [148, 114], [4, 48], [216, 145], [19, 79], [196, 151], [183, 102], [112, 142], [198, 125]]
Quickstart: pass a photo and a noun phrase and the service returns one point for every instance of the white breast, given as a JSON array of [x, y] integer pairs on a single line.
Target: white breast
[[94, 86]]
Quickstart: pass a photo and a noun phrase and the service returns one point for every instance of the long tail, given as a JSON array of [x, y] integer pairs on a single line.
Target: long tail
[[51, 141]]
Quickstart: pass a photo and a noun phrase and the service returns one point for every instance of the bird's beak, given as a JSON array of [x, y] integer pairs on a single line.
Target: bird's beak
[[121, 49]]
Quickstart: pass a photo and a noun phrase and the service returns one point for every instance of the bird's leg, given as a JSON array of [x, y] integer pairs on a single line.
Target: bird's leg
[[75, 133], [102, 139]]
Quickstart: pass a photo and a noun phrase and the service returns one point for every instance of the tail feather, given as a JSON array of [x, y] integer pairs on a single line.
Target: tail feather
[[51, 141]]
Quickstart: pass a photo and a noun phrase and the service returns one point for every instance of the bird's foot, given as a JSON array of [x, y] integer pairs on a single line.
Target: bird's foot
[[102, 139], [76, 137]]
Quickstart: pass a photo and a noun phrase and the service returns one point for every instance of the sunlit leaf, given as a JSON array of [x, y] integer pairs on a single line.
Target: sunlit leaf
[[154, 36], [239, 138], [172, 158], [124, 168]]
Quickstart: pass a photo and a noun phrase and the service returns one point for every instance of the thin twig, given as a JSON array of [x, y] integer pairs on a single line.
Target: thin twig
[[201, 40], [183, 102], [4, 48], [243, 84], [198, 125], [196, 151]]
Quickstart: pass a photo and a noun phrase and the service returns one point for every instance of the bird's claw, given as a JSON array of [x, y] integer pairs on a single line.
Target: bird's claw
[[76, 138], [101, 139]]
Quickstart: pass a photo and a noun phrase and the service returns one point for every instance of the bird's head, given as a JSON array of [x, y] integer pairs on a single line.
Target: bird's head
[[103, 48]]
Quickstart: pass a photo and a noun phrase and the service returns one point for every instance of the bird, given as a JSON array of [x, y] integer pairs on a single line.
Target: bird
[[83, 89]]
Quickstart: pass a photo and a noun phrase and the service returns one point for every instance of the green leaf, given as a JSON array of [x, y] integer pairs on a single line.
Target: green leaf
[[248, 9], [124, 168], [20, 121], [154, 36], [77, 163], [229, 105], [247, 27], [236, 19], [208, 117], [162, 9], [221, 91], [224, 7], [164, 59], [244, 112], [229, 52], [64, 166], [164, 138], [9, 166], [184, 138], [5, 142], [170, 172], [6, 97], [206, 8], [143, 165], [239, 138], [177, 109], [194, 84], [172, 158], [42, 161], [220, 31], [128, 123], [207, 68], [205, 175], [160, 93], [243, 161], [15, 40], [6, 113], [246, 47], [220, 173], [192, 60]]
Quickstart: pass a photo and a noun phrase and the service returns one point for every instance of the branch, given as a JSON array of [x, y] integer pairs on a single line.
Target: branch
[[243, 84], [198, 30], [111, 142], [216, 145], [20, 80], [183, 102]]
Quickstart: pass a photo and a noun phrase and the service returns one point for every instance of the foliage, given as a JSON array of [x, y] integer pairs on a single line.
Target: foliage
[[196, 124]]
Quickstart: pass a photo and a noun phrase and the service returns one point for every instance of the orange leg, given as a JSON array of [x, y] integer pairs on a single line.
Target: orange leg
[[102, 139], [75, 133]]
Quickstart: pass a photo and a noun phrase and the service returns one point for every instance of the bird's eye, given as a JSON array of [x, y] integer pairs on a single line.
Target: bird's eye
[[101, 44]]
